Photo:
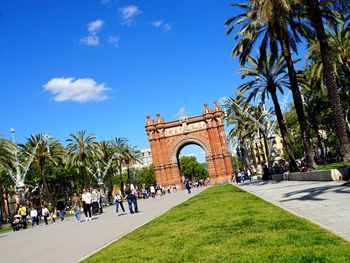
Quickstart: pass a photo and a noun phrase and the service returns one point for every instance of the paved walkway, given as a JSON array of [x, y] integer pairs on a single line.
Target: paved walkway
[[324, 203], [69, 241]]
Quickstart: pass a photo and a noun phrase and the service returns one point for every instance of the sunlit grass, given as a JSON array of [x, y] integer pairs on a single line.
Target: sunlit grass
[[330, 166], [226, 224]]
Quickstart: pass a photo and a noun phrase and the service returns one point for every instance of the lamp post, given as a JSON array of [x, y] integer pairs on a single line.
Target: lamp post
[[22, 169], [18, 177]]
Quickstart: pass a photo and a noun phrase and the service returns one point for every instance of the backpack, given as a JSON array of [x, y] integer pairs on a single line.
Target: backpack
[[128, 189]]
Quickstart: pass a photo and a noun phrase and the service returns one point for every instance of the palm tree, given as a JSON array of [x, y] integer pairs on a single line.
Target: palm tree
[[80, 149], [106, 156], [272, 22], [119, 145], [131, 155], [244, 130], [329, 74], [7, 156], [48, 148], [265, 80]]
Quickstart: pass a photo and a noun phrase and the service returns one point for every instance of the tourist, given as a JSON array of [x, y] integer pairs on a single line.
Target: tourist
[[76, 205], [153, 191], [130, 192], [34, 216], [187, 185], [22, 211], [119, 202], [46, 213], [95, 201], [100, 200], [61, 207], [87, 200]]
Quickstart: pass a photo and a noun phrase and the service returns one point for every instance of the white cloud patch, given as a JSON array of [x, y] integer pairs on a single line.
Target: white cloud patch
[[181, 111], [114, 40], [157, 23], [90, 40], [77, 90], [93, 28], [128, 14], [160, 24], [167, 27]]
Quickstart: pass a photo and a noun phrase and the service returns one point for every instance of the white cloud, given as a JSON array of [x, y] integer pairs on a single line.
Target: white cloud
[[167, 27], [114, 40], [128, 14], [181, 111], [95, 26], [78, 90], [90, 40], [160, 24], [157, 23]]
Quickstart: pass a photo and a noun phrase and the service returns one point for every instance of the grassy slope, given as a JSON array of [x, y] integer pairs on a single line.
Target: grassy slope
[[226, 224]]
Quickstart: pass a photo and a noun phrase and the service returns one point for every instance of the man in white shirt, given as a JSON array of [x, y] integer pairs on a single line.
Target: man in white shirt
[[87, 201]]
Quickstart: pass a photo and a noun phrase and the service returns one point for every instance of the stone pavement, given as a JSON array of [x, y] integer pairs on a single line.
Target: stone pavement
[[324, 203], [68, 241]]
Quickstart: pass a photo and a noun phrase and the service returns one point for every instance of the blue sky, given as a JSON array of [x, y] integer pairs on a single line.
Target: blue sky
[[124, 59]]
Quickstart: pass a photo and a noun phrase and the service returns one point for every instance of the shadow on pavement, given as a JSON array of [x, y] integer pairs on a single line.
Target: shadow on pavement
[[314, 193]]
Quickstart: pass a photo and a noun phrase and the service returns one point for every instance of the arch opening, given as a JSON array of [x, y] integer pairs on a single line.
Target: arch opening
[[192, 165]]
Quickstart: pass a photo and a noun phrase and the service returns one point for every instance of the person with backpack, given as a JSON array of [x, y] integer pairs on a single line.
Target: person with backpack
[[131, 197]]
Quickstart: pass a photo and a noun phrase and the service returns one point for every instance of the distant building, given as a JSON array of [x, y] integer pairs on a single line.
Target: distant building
[[145, 160]]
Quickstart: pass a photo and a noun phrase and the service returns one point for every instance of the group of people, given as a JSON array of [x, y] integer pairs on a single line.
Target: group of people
[[243, 175], [20, 220]]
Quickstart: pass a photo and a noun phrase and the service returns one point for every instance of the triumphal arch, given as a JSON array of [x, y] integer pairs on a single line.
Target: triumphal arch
[[168, 138]]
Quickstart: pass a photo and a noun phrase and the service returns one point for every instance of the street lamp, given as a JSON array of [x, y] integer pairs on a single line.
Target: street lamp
[[22, 169]]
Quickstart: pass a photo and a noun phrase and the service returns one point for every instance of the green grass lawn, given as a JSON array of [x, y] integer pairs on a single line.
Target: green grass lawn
[[329, 166], [226, 224]]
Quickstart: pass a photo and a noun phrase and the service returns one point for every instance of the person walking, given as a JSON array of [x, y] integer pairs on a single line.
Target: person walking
[[119, 202], [46, 213], [22, 211], [34, 216], [87, 201], [187, 185], [76, 205], [61, 207], [131, 198], [153, 191]]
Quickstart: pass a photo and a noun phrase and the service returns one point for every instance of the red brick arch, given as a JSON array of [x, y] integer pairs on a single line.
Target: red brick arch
[[168, 138]]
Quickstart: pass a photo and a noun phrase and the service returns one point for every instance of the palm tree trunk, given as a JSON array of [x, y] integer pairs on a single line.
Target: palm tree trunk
[[329, 77], [305, 135], [267, 151], [284, 131], [45, 187], [121, 178]]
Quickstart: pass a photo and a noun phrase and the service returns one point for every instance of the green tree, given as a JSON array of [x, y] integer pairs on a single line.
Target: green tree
[[119, 145], [80, 149], [146, 176], [271, 22], [192, 169], [265, 81], [48, 149], [329, 74]]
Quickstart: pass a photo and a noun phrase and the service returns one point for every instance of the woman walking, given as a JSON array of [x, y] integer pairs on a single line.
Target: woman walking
[[119, 202], [76, 205], [87, 201]]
